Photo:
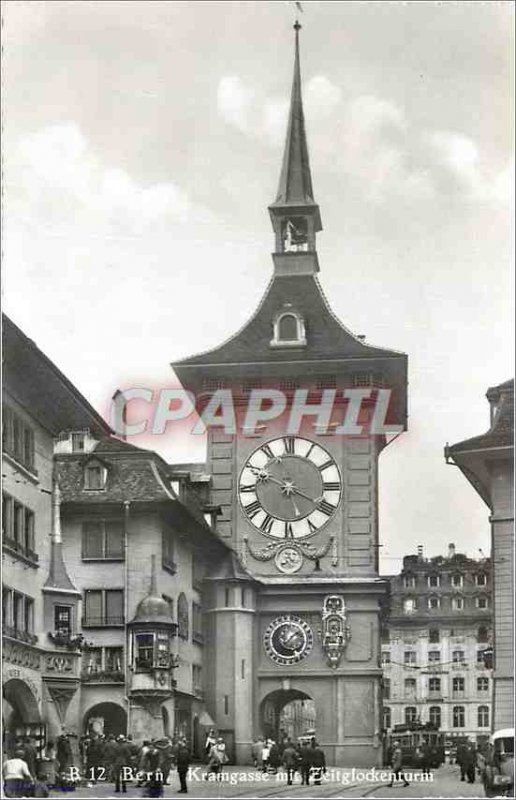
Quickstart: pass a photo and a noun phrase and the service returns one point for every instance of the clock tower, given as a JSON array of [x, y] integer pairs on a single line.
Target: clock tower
[[293, 616]]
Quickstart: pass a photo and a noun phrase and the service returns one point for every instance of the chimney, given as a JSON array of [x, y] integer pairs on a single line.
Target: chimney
[[451, 550], [420, 552]]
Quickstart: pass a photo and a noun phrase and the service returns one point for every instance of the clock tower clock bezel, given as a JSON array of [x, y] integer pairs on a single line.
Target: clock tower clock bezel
[[301, 526]]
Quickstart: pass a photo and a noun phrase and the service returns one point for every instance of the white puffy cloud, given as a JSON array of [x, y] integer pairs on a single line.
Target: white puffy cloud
[[56, 167], [321, 97]]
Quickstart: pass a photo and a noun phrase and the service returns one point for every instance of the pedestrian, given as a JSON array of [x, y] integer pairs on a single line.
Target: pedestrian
[[318, 760], [183, 759], [274, 757], [109, 750], [305, 763], [470, 761], [30, 754], [211, 739], [290, 760], [18, 779], [166, 757], [397, 765], [218, 758], [154, 785], [64, 754], [256, 752], [426, 758], [266, 749], [122, 758]]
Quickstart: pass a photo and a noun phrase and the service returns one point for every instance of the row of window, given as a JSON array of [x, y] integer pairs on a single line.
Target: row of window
[[18, 527], [18, 438], [434, 656], [434, 635], [434, 580], [457, 603], [105, 608], [358, 379], [17, 614], [435, 687], [435, 716]]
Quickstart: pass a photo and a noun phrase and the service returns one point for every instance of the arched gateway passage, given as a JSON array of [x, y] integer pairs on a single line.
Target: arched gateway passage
[[20, 713], [287, 713]]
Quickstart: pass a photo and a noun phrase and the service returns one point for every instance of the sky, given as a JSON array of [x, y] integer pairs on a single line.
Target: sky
[[142, 144]]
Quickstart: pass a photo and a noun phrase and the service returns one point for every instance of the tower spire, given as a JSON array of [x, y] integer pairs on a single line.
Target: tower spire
[[295, 184], [294, 214]]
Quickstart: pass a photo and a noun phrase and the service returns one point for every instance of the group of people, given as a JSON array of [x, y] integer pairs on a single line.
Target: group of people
[[115, 759], [305, 757]]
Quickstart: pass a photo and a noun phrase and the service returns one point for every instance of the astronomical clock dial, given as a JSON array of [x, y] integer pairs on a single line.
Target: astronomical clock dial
[[288, 639], [289, 488]]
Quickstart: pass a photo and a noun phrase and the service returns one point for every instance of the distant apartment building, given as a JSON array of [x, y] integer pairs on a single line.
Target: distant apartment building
[[487, 462], [439, 625]]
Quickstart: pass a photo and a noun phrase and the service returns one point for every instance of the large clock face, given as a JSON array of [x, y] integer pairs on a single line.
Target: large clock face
[[289, 488], [288, 639]]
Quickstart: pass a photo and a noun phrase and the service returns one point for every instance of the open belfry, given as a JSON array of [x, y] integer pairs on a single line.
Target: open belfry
[[293, 613]]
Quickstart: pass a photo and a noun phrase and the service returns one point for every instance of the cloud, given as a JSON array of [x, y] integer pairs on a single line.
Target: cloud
[[372, 141], [392, 158], [321, 97], [56, 167], [234, 102]]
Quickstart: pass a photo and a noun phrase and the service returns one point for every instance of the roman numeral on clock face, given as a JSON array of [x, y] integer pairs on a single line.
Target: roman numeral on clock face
[[289, 444], [326, 464], [326, 508], [331, 486], [267, 523], [251, 487], [252, 509], [267, 450]]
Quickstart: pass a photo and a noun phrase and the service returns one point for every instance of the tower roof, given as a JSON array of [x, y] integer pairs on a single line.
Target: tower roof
[[295, 184], [153, 609]]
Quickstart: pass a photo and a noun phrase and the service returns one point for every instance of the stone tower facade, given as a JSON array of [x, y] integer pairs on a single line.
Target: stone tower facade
[[294, 613]]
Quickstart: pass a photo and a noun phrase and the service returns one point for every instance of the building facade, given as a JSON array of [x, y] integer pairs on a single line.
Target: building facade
[[434, 641], [300, 613], [105, 548], [487, 462], [38, 402]]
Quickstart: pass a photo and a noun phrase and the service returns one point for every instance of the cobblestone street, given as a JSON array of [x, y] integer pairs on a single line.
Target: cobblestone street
[[246, 782]]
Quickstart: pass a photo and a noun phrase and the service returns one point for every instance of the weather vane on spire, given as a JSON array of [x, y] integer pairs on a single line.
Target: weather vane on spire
[[299, 7]]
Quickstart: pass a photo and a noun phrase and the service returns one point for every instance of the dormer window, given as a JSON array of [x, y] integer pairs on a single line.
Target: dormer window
[[95, 476], [289, 329]]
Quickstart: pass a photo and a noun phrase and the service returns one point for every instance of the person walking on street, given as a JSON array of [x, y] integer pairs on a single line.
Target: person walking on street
[[256, 752], [122, 759], [305, 763], [397, 765], [290, 761], [274, 757], [211, 739], [318, 763], [266, 749], [218, 758], [466, 759], [426, 758], [183, 764], [18, 779]]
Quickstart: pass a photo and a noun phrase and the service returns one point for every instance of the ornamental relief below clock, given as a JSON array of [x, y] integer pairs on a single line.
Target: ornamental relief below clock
[[289, 488]]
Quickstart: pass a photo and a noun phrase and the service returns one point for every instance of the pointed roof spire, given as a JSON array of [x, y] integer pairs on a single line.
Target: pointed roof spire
[[295, 185], [58, 578]]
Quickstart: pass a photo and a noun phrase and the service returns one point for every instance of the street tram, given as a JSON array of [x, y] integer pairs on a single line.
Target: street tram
[[412, 738]]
